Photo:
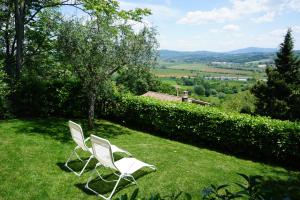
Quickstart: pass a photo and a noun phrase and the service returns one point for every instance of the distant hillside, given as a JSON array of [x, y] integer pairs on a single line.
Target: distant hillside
[[237, 56], [169, 54], [253, 50]]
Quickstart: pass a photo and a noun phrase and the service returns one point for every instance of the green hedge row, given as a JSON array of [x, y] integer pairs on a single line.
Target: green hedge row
[[240, 134], [34, 97]]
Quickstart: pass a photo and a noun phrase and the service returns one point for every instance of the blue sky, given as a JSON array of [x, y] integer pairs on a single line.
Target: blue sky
[[220, 25]]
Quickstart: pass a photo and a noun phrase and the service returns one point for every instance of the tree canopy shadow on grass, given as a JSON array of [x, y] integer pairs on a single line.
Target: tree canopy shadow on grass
[[58, 129], [77, 165], [256, 187], [278, 188], [103, 187]]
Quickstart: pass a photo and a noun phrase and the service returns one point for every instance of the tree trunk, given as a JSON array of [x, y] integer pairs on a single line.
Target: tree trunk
[[9, 45], [92, 101], [19, 26], [7, 65]]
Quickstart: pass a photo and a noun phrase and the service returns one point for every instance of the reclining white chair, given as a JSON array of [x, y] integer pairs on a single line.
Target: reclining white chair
[[78, 137], [125, 167]]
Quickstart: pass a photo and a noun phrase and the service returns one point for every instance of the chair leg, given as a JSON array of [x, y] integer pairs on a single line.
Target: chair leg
[[89, 180], [77, 156], [134, 181], [112, 192], [86, 164], [82, 170]]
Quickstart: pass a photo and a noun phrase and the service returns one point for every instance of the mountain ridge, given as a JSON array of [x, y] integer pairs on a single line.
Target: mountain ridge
[[235, 51], [248, 54]]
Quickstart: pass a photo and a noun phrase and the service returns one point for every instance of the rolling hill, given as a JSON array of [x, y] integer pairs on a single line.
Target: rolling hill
[[236, 56]]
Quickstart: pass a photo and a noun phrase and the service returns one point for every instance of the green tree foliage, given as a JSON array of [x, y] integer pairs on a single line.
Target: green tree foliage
[[279, 97], [41, 56], [16, 20], [102, 46], [138, 80], [4, 92], [137, 77], [199, 90]]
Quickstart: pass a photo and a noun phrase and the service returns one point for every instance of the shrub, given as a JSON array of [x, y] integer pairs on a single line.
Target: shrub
[[240, 134], [221, 95], [4, 92], [199, 89], [34, 97], [246, 109], [213, 92], [252, 187]]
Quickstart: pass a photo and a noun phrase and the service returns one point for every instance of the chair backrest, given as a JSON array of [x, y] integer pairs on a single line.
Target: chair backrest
[[102, 151], [77, 135]]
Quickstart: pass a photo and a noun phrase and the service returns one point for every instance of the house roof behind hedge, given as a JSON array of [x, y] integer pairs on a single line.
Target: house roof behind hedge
[[162, 96], [168, 97]]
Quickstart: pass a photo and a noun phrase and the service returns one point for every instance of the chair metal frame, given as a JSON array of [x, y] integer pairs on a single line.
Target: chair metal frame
[[78, 137], [126, 176], [73, 126]]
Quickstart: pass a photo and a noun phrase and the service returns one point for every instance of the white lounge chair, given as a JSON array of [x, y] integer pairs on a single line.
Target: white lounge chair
[[123, 168], [78, 137]]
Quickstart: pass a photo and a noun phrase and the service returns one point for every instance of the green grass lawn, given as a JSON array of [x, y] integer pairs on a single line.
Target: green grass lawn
[[32, 154]]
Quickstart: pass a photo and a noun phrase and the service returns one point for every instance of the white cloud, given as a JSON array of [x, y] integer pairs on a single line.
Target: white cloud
[[138, 26], [214, 30], [238, 9], [227, 28], [168, 2], [282, 31], [294, 5], [159, 11], [231, 27], [268, 17]]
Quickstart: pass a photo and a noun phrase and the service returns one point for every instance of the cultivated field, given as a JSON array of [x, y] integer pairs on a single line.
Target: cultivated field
[[187, 69]]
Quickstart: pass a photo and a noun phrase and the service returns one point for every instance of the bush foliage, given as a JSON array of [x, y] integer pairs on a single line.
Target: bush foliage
[[240, 134], [4, 92], [43, 98]]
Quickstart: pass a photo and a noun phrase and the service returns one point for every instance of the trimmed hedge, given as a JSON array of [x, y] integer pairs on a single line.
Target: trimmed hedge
[[34, 97], [239, 134]]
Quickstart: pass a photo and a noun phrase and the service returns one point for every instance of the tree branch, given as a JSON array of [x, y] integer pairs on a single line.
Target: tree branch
[[64, 3]]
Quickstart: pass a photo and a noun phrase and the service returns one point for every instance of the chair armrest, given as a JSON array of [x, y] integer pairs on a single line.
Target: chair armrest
[[87, 139]]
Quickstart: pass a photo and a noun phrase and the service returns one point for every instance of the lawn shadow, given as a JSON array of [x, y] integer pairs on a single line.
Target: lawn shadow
[[276, 188], [55, 128], [77, 165], [58, 128], [103, 187]]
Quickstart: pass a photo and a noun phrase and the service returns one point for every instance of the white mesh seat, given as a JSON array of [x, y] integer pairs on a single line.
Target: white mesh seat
[[124, 167], [78, 137], [114, 149], [130, 165]]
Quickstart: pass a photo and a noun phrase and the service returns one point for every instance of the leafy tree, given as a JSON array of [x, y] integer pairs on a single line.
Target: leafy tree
[[207, 92], [98, 48], [41, 56], [187, 81], [137, 77], [138, 80], [4, 92], [199, 89], [17, 16], [213, 91], [15, 21], [279, 97]]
